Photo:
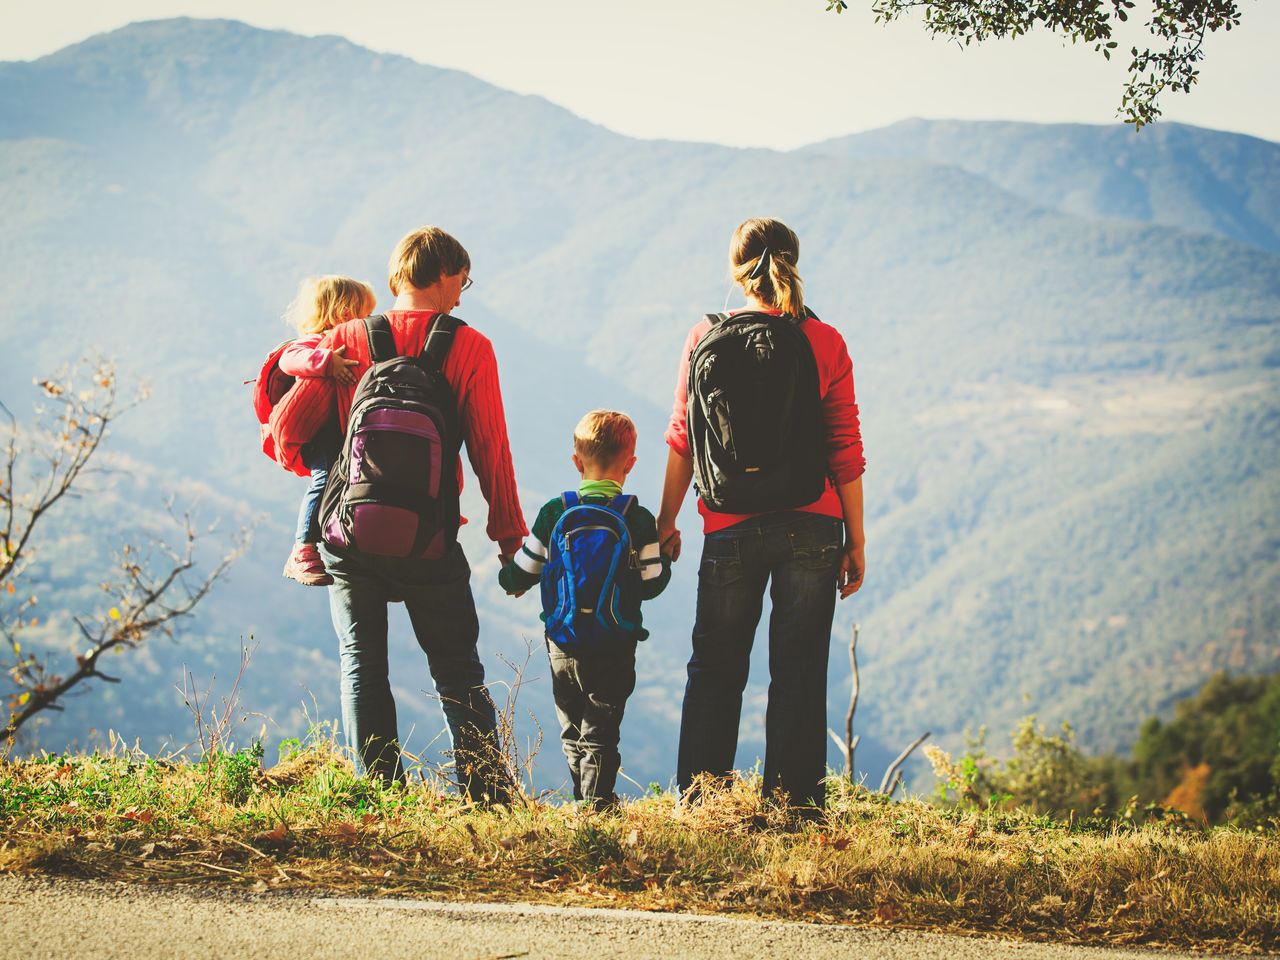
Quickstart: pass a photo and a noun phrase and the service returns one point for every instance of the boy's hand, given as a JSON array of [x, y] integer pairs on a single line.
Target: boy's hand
[[340, 366]]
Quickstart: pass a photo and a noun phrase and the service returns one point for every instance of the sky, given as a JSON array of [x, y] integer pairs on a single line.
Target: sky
[[775, 73]]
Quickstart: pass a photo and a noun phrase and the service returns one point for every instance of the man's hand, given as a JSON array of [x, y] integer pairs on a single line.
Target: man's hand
[[505, 558], [518, 593], [340, 366], [669, 540], [853, 566]]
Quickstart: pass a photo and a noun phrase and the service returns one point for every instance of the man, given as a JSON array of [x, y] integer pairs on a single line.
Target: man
[[429, 269]]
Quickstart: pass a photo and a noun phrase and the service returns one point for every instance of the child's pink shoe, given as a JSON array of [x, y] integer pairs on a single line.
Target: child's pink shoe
[[306, 567]]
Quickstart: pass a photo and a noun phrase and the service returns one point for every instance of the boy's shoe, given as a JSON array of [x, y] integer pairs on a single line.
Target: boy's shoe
[[305, 566], [610, 804]]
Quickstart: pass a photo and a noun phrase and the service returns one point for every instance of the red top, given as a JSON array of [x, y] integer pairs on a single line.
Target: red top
[[472, 372], [839, 408]]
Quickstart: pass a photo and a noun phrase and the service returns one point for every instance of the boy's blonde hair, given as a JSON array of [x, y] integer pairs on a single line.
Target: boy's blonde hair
[[423, 257], [325, 302], [603, 437]]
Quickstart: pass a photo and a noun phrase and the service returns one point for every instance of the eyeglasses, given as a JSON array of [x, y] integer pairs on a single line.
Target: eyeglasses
[[466, 284]]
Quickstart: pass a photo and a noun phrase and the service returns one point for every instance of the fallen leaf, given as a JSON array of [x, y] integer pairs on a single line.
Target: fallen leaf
[[272, 836]]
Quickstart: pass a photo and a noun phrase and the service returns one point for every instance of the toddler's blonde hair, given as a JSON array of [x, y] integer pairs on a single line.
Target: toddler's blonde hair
[[602, 437], [324, 302]]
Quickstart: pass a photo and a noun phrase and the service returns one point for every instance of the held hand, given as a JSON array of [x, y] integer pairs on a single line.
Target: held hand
[[669, 541], [853, 566], [505, 558], [340, 366], [517, 594]]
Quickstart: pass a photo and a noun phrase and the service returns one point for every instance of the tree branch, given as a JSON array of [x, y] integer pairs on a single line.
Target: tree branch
[[901, 759]]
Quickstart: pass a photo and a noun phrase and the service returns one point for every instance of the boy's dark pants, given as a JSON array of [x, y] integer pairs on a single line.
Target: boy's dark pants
[[590, 693]]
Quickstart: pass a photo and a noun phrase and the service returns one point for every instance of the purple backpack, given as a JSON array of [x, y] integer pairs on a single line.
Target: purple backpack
[[394, 490]]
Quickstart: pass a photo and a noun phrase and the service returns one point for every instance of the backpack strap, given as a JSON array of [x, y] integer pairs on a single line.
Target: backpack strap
[[570, 498], [440, 340], [382, 342], [622, 502], [717, 318]]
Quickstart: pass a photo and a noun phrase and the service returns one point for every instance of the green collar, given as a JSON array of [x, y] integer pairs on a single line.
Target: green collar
[[604, 488]]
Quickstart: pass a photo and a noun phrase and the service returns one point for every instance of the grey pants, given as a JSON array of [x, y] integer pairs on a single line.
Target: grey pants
[[590, 692]]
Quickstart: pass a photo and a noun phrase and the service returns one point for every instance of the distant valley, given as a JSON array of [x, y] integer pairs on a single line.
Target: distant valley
[[1065, 347]]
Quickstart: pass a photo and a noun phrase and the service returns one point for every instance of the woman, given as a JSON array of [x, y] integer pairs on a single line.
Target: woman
[[809, 549]]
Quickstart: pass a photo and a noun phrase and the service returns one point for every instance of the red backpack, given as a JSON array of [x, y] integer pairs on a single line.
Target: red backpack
[[270, 386]]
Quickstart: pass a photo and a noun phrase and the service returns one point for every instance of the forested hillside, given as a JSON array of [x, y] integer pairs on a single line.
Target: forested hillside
[[1071, 419]]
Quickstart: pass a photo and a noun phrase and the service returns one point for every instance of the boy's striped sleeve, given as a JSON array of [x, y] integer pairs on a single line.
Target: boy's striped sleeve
[[655, 569], [650, 561], [532, 555], [525, 568]]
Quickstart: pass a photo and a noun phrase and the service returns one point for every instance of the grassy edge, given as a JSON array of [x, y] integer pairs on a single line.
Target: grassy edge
[[310, 825]]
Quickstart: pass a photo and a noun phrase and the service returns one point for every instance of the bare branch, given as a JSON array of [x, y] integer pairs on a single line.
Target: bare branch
[[850, 742], [901, 759], [150, 595]]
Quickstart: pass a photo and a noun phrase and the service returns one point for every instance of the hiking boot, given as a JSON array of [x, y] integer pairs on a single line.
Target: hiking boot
[[305, 566]]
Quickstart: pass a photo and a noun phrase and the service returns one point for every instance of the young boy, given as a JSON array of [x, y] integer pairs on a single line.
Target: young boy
[[595, 552]]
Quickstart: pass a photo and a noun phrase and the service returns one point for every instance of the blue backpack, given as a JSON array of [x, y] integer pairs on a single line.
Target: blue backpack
[[588, 559]]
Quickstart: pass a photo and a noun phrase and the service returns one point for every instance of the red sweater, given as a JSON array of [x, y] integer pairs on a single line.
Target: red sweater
[[472, 372], [839, 409]]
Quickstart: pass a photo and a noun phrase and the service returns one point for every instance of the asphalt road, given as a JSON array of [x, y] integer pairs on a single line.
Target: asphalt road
[[45, 918]]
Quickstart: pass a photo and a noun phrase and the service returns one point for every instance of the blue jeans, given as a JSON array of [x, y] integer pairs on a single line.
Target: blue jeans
[[318, 457], [800, 553], [437, 596]]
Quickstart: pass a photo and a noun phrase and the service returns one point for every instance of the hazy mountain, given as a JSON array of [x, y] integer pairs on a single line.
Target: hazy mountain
[[1070, 419], [1168, 173]]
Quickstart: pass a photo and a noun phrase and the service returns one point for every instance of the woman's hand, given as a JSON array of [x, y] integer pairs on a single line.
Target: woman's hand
[[340, 366], [675, 484], [669, 539], [853, 566]]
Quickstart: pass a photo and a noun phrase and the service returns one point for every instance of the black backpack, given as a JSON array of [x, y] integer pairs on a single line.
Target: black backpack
[[394, 490], [754, 415]]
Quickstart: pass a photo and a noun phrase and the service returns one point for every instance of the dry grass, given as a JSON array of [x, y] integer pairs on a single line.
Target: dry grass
[[309, 824]]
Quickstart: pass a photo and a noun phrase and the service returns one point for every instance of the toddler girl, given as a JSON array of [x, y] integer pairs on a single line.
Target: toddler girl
[[321, 304]]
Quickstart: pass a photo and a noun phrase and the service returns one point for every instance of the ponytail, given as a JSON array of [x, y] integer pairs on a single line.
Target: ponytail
[[788, 291], [762, 259]]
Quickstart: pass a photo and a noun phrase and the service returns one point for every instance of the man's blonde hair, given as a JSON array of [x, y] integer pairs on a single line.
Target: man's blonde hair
[[423, 257], [603, 437], [325, 302]]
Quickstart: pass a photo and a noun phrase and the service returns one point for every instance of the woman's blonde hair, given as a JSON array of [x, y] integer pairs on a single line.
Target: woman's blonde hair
[[775, 281], [324, 302]]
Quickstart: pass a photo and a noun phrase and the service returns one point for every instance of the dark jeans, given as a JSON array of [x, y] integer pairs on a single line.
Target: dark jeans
[[590, 692], [800, 553], [318, 456], [437, 595]]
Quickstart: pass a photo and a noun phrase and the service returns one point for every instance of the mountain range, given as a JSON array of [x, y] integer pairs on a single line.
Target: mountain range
[[1064, 340]]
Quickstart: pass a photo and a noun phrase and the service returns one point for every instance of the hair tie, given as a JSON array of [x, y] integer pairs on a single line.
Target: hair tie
[[761, 265]]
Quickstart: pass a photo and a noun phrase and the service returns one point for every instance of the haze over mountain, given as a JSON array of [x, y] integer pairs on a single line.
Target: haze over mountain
[[1171, 173], [1070, 419]]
